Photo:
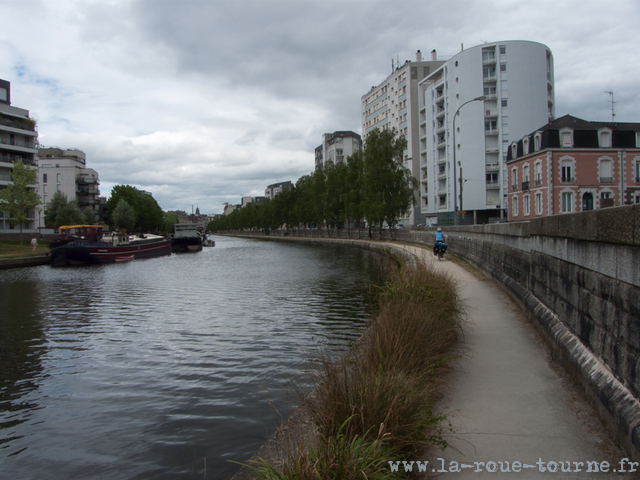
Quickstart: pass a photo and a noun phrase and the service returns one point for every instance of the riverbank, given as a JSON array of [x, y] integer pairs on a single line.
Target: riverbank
[[509, 400]]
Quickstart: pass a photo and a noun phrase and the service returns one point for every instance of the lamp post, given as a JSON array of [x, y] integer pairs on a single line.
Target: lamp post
[[455, 189]]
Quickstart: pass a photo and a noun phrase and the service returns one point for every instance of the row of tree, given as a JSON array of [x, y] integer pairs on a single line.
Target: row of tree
[[371, 185]]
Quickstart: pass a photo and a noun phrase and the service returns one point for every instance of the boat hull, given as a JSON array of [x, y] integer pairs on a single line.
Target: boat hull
[[78, 253], [186, 244]]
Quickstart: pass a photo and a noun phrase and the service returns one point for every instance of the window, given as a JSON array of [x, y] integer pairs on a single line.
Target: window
[[566, 171], [514, 206], [59, 188], [567, 202], [526, 204], [44, 189], [538, 203], [503, 67], [606, 171], [637, 172], [587, 202], [492, 178], [605, 195], [605, 139], [503, 49], [538, 141], [514, 179], [504, 103], [566, 138], [44, 178], [538, 173]]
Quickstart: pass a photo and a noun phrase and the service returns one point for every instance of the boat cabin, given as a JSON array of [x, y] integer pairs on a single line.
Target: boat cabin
[[183, 230], [80, 233]]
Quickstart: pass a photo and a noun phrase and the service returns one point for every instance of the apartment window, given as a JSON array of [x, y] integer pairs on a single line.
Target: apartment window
[[567, 202], [514, 179], [59, 188], [58, 176], [525, 204], [587, 201], [566, 138], [525, 173], [537, 142], [566, 171], [44, 189], [538, 203], [503, 67], [504, 103], [514, 206], [538, 173], [605, 195], [605, 139], [490, 91], [492, 178], [637, 172], [44, 199], [606, 171], [44, 178], [503, 49]]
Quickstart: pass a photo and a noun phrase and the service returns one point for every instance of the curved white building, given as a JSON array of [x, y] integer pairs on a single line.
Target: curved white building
[[516, 80]]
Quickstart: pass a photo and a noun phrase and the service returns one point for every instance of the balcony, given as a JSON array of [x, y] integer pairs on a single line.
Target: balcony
[[18, 143], [606, 179], [22, 124], [538, 182], [525, 185], [489, 78], [87, 181], [514, 187], [492, 167], [491, 131], [567, 180]]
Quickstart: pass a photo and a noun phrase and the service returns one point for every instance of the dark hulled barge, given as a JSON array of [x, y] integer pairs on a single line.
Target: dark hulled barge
[[84, 244]]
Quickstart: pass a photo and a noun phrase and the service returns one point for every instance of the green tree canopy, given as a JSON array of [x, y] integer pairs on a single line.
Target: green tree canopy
[[124, 216], [57, 201], [19, 197], [148, 214]]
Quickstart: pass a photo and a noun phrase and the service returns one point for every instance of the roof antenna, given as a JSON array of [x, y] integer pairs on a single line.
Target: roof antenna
[[613, 112]]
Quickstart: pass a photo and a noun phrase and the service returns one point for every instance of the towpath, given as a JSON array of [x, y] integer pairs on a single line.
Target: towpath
[[508, 402]]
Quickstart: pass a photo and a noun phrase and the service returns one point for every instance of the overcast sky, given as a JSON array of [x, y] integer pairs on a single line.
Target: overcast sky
[[203, 102]]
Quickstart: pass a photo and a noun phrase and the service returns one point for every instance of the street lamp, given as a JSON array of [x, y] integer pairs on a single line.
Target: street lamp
[[455, 190]]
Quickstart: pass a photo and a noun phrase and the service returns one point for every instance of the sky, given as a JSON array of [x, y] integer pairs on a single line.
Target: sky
[[204, 102]]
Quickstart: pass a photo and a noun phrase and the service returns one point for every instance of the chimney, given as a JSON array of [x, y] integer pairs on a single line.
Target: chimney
[[418, 56], [434, 55]]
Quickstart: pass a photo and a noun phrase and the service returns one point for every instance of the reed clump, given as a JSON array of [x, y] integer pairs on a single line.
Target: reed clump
[[377, 402]]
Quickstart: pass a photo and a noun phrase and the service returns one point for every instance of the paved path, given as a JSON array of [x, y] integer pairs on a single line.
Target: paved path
[[508, 402]]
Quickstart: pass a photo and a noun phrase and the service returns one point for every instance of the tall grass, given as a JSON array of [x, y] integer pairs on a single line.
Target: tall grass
[[376, 402]]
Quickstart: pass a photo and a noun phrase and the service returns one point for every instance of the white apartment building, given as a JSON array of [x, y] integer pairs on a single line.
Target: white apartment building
[[501, 91], [274, 189], [394, 104], [337, 146], [65, 171], [18, 141]]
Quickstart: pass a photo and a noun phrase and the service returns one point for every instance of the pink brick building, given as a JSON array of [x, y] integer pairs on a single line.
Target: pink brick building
[[571, 165]]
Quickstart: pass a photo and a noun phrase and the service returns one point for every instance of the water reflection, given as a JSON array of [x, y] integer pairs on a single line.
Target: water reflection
[[143, 369]]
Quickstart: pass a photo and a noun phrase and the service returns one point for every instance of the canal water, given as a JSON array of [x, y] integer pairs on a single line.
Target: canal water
[[141, 370]]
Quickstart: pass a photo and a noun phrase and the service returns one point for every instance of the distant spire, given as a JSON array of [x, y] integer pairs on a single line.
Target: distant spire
[[197, 210]]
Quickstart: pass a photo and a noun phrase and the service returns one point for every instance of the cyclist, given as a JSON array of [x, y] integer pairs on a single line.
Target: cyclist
[[439, 242]]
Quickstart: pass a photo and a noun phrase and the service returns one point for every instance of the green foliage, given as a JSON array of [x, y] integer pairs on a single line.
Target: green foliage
[[58, 200], [149, 216], [170, 219], [372, 184], [19, 197], [124, 216], [69, 214]]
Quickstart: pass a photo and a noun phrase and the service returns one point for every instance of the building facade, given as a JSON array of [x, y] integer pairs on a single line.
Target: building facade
[[572, 165], [507, 90], [66, 171], [274, 189], [394, 105], [18, 142], [337, 146]]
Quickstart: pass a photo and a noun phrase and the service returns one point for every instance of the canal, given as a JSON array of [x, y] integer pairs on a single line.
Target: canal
[[142, 370]]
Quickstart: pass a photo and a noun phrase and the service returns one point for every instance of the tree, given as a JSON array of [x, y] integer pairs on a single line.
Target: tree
[[57, 201], [20, 197], [149, 216], [69, 214], [170, 219], [124, 216], [388, 186]]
